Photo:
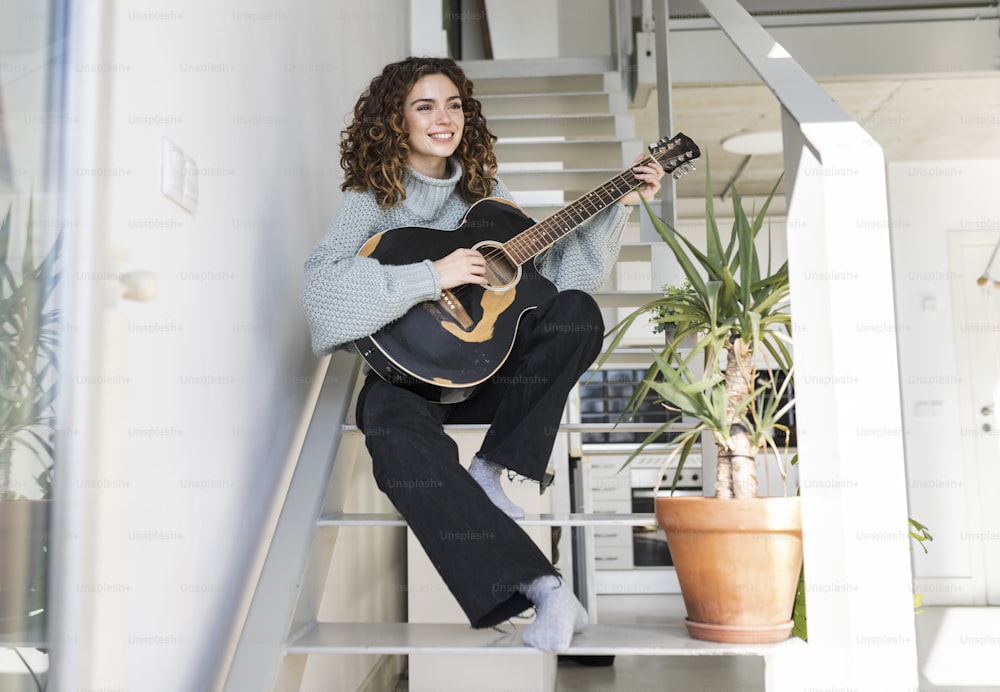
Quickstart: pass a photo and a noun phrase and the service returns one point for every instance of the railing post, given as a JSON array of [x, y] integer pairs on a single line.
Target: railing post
[[660, 257], [621, 37]]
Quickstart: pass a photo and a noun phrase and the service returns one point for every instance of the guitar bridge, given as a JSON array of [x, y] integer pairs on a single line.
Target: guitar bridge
[[453, 309]]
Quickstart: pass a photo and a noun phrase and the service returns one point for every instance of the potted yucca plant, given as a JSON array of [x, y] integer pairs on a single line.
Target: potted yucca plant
[[726, 366], [28, 340]]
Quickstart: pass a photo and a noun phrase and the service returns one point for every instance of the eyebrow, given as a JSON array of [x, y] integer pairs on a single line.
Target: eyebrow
[[429, 100]]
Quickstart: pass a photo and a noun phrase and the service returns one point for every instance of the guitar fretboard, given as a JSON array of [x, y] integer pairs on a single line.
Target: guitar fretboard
[[531, 241]]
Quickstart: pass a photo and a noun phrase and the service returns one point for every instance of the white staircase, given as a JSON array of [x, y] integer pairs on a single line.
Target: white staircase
[[563, 133]]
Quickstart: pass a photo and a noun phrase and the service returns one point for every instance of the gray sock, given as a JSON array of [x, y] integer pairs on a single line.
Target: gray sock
[[560, 615], [487, 475]]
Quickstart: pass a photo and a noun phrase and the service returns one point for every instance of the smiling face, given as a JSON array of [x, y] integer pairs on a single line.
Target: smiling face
[[434, 121]]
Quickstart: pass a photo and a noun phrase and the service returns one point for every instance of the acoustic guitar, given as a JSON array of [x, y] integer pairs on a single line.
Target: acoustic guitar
[[444, 349]]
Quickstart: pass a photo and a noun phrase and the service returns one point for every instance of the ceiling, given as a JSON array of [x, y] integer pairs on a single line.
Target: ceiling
[[913, 119], [694, 8], [947, 107]]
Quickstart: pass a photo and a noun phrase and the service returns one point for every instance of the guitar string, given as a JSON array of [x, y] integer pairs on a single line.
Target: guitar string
[[523, 244], [602, 200], [623, 184]]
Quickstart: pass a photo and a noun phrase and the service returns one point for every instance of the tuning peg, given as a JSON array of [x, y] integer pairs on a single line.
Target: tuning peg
[[683, 170]]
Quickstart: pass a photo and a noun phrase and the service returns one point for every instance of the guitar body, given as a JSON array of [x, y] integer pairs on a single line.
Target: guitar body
[[442, 352]]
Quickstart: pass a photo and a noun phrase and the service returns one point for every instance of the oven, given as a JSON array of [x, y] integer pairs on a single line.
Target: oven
[[649, 543], [626, 558], [629, 559]]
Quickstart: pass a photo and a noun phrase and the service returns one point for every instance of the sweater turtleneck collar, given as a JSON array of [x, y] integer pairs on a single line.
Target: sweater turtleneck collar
[[425, 196]]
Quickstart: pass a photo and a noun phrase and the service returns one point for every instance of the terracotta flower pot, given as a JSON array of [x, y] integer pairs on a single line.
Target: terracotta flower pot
[[737, 562]]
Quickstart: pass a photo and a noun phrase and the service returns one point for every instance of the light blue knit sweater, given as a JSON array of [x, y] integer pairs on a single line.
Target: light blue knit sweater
[[346, 297]]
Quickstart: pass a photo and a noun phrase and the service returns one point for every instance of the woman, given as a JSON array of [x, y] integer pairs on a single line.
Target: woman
[[418, 153]]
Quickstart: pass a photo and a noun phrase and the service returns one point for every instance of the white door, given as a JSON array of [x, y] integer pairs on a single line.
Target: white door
[[976, 301]]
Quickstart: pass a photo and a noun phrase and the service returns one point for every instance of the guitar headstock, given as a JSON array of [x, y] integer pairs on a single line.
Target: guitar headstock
[[675, 154]]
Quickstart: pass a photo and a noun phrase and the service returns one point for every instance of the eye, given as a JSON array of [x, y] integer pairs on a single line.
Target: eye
[[456, 106]]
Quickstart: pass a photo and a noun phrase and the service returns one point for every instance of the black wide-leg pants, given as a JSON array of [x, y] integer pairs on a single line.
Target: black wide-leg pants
[[482, 554]]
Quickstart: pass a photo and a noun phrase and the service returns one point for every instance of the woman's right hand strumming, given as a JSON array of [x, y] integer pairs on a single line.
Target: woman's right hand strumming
[[463, 266]]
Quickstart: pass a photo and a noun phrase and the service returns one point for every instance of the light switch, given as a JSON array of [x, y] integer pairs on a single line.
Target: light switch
[[179, 176], [190, 185], [172, 171], [929, 409]]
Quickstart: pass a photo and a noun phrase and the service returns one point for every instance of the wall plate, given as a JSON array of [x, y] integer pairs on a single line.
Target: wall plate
[[179, 176]]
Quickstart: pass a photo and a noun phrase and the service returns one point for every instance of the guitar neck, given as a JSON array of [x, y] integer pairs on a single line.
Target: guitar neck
[[532, 241]]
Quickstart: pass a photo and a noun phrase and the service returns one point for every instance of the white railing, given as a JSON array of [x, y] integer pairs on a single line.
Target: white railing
[[284, 597], [857, 561]]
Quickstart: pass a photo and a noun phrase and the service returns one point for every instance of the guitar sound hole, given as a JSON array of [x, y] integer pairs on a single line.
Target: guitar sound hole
[[501, 272]]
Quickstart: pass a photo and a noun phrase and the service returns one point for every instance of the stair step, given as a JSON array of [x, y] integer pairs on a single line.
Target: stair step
[[587, 125], [553, 84], [634, 252], [442, 638], [563, 427], [539, 211], [593, 153], [625, 299], [559, 103], [566, 179], [595, 519], [690, 210], [534, 68]]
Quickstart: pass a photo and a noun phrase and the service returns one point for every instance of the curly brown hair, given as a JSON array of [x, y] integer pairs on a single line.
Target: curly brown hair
[[374, 148]]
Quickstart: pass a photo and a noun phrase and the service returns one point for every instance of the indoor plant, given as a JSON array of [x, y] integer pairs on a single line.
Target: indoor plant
[[737, 556], [28, 336]]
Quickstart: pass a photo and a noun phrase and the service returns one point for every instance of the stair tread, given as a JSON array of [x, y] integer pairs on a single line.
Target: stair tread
[[590, 141], [625, 299], [543, 94], [560, 116], [563, 427], [561, 519], [522, 167], [519, 68], [445, 638]]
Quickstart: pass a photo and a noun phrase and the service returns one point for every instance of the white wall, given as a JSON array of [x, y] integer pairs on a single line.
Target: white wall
[[584, 28], [547, 28], [927, 199], [523, 28], [218, 364]]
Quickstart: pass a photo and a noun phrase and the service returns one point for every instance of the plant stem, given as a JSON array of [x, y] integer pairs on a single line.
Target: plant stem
[[738, 452]]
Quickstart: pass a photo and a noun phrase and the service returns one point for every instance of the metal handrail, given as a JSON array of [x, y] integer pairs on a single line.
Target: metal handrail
[[271, 615]]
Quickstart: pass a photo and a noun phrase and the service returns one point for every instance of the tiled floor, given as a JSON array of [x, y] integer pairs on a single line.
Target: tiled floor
[[665, 674], [659, 673], [690, 673]]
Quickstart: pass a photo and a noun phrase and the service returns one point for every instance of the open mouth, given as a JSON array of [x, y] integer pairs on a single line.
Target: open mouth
[[442, 136]]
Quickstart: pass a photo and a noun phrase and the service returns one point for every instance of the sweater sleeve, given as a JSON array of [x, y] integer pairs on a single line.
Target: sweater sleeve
[[584, 258], [346, 297]]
